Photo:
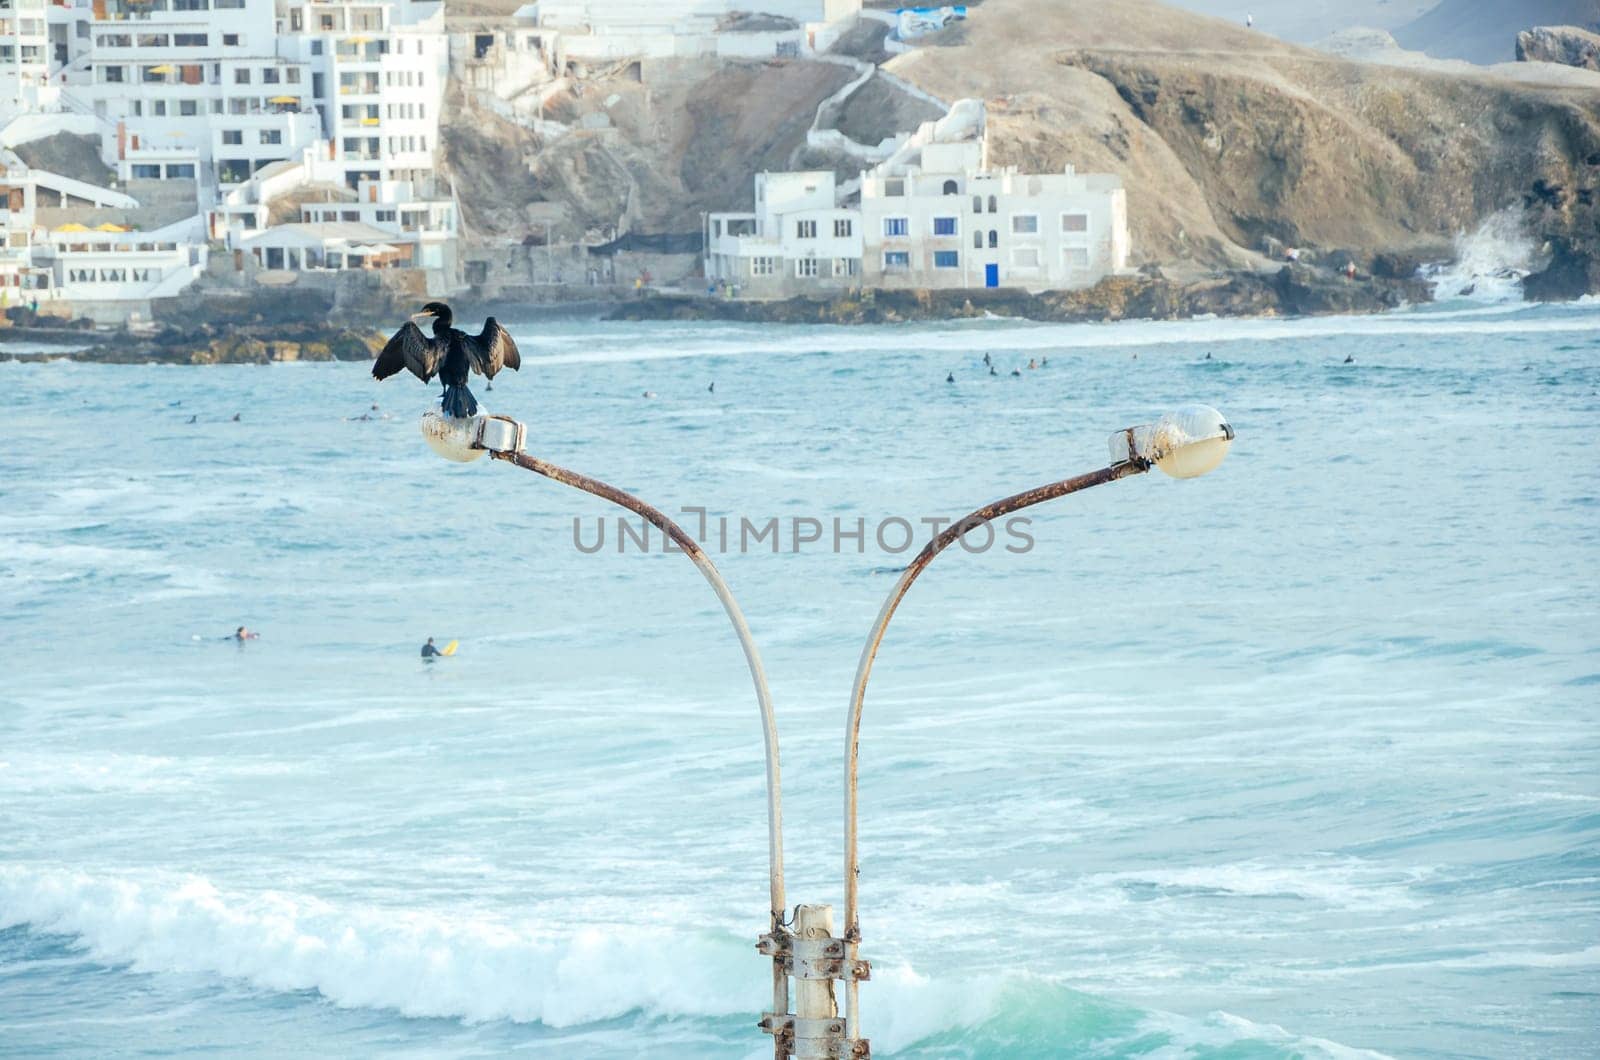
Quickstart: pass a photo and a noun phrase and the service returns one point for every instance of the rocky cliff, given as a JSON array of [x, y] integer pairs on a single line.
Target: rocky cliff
[[1567, 45]]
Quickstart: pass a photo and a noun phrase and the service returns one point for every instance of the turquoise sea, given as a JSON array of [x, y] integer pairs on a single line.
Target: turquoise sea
[[1297, 759]]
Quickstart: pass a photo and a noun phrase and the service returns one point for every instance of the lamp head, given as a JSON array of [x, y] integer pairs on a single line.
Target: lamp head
[[1185, 443]]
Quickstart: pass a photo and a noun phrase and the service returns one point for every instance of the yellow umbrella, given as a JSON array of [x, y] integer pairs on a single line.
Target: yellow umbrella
[[284, 99], [73, 226], [162, 69], [109, 227], [358, 40]]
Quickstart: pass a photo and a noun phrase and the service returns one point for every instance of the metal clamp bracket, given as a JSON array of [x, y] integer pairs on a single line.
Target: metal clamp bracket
[[499, 434]]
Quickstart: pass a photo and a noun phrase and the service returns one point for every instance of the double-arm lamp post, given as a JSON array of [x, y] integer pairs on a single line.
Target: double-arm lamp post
[[1186, 443]]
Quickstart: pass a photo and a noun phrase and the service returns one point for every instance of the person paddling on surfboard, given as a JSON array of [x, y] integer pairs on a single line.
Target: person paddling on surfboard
[[428, 650]]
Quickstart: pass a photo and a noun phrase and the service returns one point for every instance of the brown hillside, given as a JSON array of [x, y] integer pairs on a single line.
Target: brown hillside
[[1226, 136]]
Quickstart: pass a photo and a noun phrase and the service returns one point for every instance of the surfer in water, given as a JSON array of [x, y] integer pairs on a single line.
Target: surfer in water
[[429, 651], [242, 634]]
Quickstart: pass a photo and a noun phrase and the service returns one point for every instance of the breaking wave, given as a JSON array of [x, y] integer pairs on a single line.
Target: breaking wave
[[476, 969], [1490, 262]]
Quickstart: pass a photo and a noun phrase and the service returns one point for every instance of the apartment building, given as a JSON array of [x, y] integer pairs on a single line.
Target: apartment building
[[24, 55], [196, 85]]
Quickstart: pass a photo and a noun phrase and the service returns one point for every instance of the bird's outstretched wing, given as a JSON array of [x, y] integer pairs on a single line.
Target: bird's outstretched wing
[[492, 349], [409, 348]]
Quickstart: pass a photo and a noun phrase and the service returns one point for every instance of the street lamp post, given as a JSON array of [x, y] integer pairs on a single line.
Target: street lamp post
[[463, 440], [1186, 443]]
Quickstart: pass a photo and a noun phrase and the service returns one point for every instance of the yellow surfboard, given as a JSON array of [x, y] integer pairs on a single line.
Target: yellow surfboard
[[449, 649]]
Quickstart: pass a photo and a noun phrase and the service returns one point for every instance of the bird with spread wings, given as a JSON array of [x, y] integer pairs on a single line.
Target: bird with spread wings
[[449, 353]]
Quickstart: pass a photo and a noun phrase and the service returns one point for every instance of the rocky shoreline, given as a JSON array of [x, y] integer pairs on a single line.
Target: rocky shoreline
[[1292, 291], [203, 344]]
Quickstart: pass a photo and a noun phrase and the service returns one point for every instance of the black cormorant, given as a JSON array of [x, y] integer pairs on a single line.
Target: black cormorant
[[450, 354]]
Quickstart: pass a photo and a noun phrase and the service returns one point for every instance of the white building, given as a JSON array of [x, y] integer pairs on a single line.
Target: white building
[[419, 231], [195, 83], [593, 30], [378, 74], [798, 239], [948, 221], [24, 56]]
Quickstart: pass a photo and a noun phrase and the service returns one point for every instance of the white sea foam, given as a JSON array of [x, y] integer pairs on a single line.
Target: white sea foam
[[1512, 320], [428, 964], [420, 964], [1490, 262]]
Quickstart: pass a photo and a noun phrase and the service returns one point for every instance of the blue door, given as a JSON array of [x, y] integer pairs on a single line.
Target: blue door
[[991, 276]]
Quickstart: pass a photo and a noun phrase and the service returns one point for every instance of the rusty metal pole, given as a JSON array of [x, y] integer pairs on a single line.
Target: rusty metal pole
[[769, 725], [852, 867]]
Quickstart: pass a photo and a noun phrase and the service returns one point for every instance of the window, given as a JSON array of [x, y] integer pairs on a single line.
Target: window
[[143, 172], [952, 188], [272, 136], [152, 40], [977, 240], [188, 108], [944, 226], [241, 76], [233, 137], [231, 40], [269, 76], [385, 216], [994, 238], [842, 228], [896, 226], [977, 204], [805, 267], [761, 267], [316, 49], [160, 108], [1025, 224], [292, 75], [224, 5], [149, 75], [993, 205], [1025, 257], [138, 108], [189, 40], [846, 266], [896, 260], [114, 75], [1076, 257], [894, 189], [946, 259], [1074, 222], [806, 229]]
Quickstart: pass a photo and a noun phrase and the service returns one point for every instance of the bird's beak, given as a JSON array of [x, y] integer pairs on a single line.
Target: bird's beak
[[424, 315]]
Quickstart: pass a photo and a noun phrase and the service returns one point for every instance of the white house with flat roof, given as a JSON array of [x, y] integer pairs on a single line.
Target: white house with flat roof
[[798, 239], [947, 220]]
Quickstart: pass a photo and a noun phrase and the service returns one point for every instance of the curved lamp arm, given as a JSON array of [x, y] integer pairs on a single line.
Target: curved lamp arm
[[769, 726], [988, 513]]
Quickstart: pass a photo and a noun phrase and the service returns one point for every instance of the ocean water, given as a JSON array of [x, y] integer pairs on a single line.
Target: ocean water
[[1297, 759]]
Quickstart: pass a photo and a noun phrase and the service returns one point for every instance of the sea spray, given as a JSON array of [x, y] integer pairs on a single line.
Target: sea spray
[[1490, 262]]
